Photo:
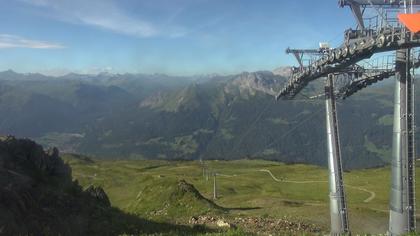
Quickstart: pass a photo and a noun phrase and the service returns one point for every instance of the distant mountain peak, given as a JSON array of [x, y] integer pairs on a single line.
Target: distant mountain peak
[[262, 81], [11, 75], [9, 72], [285, 71]]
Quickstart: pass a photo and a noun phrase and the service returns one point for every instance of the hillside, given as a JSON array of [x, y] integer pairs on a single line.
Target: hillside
[[256, 196], [218, 117], [179, 199], [43, 195], [39, 197]]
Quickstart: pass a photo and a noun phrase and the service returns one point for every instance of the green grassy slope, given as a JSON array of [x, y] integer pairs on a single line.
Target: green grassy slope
[[246, 189]]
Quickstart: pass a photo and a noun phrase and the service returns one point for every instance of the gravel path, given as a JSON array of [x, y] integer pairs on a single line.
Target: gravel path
[[370, 198]]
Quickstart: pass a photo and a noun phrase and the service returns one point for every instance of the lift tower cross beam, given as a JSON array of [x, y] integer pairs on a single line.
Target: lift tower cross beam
[[299, 53], [338, 208]]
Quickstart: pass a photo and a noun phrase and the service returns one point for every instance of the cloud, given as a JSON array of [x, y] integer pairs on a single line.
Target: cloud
[[121, 24], [14, 41], [103, 14]]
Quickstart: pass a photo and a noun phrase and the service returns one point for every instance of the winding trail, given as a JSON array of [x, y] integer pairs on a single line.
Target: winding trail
[[291, 181], [370, 198], [228, 176]]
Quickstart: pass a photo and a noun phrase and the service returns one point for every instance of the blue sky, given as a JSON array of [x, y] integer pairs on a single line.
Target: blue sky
[[176, 37]]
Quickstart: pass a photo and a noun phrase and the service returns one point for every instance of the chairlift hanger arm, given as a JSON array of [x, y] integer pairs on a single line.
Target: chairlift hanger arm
[[356, 10]]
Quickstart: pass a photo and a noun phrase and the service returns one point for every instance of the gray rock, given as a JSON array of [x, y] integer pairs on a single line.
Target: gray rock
[[98, 193]]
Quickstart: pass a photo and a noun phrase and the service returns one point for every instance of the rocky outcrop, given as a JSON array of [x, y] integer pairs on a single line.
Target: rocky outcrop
[[25, 157], [39, 197], [172, 200], [261, 81], [283, 71], [185, 188], [99, 194]]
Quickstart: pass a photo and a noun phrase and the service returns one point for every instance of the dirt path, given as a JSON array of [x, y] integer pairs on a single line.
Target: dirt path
[[292, 181], [370, 198], [228, 176]]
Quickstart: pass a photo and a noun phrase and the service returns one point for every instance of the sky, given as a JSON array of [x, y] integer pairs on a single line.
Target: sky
[[175, 37]]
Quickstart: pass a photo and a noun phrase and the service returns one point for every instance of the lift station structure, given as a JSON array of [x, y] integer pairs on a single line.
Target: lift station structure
[[382, 26]]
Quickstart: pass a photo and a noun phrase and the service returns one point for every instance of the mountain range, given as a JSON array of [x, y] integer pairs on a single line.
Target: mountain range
[[138, 116]]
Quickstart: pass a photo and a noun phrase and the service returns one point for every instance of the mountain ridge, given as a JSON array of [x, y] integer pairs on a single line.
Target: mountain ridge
[[223, 117]]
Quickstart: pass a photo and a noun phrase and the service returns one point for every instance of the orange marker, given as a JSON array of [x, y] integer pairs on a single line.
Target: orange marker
[[411, 21]]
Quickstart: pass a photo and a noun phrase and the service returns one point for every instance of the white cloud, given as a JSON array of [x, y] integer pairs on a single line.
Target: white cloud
[[104, 14], [121, 24], [14, 41]]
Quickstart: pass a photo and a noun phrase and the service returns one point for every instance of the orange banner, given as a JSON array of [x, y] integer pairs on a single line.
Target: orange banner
[[411, 21]]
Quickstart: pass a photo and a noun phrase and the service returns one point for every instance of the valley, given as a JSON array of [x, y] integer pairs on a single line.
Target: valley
[[142, 117]]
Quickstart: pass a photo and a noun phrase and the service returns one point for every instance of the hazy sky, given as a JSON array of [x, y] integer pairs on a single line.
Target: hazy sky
[[178, 37]]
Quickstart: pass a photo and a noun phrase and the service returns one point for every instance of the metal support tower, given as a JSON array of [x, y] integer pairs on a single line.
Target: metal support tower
[[402, 200], [338, 208], [214, 186]]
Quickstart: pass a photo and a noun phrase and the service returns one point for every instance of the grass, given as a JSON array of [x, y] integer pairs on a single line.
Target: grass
[[242, 188]]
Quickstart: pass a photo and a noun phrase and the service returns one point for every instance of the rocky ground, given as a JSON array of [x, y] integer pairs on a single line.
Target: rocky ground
[[259, 226]]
